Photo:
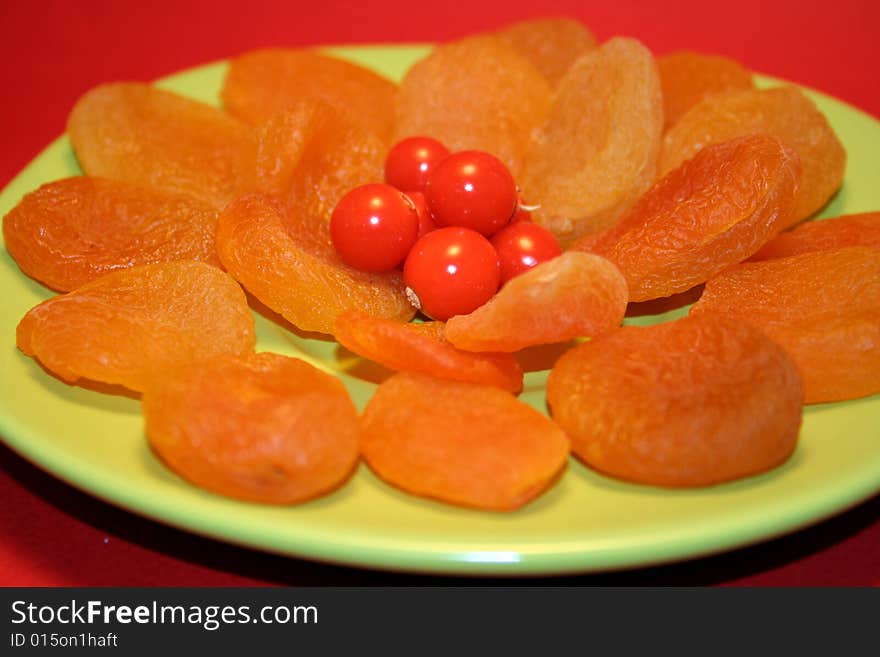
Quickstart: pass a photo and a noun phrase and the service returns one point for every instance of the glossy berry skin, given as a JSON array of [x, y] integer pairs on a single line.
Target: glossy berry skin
[[451, 271], [411, 160], [373, 227], [426, 221], [472, 189], [521, 246]]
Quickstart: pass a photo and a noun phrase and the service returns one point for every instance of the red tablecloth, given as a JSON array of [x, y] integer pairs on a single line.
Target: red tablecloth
[[51, 52]]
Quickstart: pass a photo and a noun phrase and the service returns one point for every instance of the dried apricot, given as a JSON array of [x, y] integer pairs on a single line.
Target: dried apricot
[[551, 44], [477, 93], [422, 347], [72, 231], [461, 443], [295, 270], [261, 427], [713, 211], [688, 77], [143, 135], [573, 295], [826, 235], [597, 151], [262, 83], [693, 402], [822, 307], [784, 112], [134, 324]]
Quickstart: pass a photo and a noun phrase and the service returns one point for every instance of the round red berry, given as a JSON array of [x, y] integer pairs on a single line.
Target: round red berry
[[521, 246], [411, 160], [426, 221], [373, 227]]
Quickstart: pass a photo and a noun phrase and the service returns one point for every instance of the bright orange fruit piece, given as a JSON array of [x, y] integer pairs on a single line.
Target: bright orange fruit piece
[[551, 44], [713, 211], [134, 324], [461, 443], [597, 151], [75, 230], [688, 77], [260, 427], [296, 272], [573, 295], [822, 307], [477, 93], [263, 83], [694, 402], [784, 112], [422, 347], [825, 235], [143, 135]]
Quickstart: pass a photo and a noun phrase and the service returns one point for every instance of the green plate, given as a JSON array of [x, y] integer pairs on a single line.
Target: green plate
[[587, 522]]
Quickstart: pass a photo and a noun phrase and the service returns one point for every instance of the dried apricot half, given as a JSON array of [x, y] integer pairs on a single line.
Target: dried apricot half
[[260, 427], [573, 295], [713, 211], [147, 136], [694, 402], [825, 235], [551, 44], [784, 112], [422, 347], [461, 443], [134, 324], [597, 151], [822, 307], [72, 231]]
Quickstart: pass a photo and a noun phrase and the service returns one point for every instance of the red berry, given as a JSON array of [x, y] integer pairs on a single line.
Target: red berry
[[472, 189], [523, 245], [426, 221], [411, 160], [373, 227], [451, 271]]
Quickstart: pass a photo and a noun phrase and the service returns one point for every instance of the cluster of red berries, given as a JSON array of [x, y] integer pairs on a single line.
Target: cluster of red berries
[[455, 221]]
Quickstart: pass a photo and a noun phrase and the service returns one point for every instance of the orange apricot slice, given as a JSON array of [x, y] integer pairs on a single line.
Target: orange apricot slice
[[262, 83], [72, 231], [422, 347], [296, 272], [694, 402], [713, 211], [552, 44], [825, 235], [784, 112], [597, 151], [573, 295], [261, 427], [822, 307], [134, 324], [476, 93], [143, 135], [688, 77], [461, 443]]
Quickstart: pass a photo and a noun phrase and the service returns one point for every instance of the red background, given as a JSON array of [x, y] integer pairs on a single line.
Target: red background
[[51, 52]]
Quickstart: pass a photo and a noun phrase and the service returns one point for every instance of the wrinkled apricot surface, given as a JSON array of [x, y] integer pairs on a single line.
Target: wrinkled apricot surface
[[422, 347], [72, 231], [713, 211], [693, 402], [784, 112], [551, 44], [477, 93], [825, 235], [573, 295], [688, 77], [597, 151], [143, 135], [134, 324], [461, 443], [261, 427], [262, 83], [822, 307], [296, 271]]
